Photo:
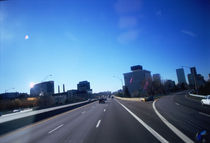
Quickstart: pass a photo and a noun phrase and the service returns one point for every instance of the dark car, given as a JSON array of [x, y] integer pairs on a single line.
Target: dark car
[[101, 100], [150, 98]]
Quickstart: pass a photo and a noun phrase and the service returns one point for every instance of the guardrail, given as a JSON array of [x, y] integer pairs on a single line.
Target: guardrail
[[196, 95]]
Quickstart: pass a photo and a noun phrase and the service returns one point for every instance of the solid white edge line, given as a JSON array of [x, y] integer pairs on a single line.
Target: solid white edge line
[[207, 115], [152, 131], [99, 121], [55, 129], [172, 127]]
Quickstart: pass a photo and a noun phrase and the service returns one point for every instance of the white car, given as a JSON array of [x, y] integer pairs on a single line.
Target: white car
[[206, 101]]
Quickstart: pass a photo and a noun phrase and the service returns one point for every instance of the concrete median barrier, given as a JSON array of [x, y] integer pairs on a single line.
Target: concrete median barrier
[[7, 125]]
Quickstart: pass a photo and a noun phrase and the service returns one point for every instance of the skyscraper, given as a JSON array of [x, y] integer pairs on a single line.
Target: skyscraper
[[180, 76], [195, 80], [193, 71]]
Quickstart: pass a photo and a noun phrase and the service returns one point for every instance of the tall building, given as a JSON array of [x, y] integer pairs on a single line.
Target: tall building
[[195, 80], [191, 80], [43, 88], [193, 71], [200, 80], [137, 81], [180, 76]]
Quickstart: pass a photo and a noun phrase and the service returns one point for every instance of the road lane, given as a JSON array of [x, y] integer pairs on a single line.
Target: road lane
[[172, 127], [110, 122], [118, 126], [144, 110], [39, 131], [183, 99], [107, 122], [186, 116], [55, 129]]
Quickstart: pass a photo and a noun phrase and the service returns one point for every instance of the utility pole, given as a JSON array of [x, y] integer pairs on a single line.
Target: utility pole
[[119, 79], [46, 77]]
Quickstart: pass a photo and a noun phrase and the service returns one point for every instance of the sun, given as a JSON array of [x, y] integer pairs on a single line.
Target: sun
[[26, 37], [32, 84]]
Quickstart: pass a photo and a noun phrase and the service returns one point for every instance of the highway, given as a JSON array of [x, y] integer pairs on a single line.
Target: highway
[[117, 121], [186, 114]]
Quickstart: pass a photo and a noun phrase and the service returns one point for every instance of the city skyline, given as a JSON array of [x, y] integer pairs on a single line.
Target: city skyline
[[94, 41]]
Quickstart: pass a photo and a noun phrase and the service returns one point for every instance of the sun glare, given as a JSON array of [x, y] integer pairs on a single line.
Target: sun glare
[[32, 84], [26, 37]]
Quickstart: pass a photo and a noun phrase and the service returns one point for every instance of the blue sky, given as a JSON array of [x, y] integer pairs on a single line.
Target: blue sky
[[96, 40]]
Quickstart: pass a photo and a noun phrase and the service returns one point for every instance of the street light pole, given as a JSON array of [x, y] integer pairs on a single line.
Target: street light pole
[[119, 79], [46, 77], [8, 89]]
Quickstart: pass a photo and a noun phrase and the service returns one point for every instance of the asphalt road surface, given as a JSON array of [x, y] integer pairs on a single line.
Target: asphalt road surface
[[116, 121], [186, 114]]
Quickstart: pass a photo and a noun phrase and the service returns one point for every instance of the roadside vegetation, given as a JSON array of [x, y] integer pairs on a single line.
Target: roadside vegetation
[[8, 105]]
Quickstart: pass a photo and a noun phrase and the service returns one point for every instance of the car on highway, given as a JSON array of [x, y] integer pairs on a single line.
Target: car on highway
[[101, 100], [16, 110], [149, 98], [206, 101]]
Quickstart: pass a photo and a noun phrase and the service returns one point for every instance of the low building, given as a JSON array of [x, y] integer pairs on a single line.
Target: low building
[[13, 95], [60, 98], [169, 85], [9, 95]]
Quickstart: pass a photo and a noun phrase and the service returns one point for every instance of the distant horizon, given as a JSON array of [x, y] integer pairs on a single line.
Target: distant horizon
[[98, 40], [56, 87]]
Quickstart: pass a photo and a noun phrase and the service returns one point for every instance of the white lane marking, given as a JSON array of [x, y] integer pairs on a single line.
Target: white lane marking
[[83, 112], [55, 129], [153, 132], [177, 104], [104, 110], [204, 114], [99, 121], [172, 127]]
